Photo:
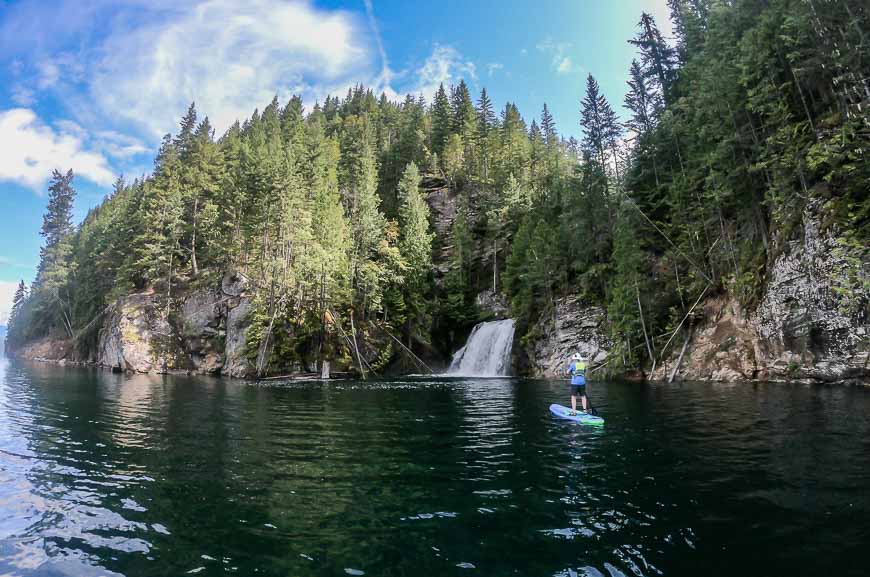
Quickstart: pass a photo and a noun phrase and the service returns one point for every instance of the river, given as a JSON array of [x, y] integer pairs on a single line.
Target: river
[[106, 474]]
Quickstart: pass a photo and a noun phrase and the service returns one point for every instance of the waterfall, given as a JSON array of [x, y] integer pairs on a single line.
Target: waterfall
[[487, 353]]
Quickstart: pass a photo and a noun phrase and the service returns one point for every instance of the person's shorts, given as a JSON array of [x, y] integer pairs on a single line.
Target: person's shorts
[[579, 390]]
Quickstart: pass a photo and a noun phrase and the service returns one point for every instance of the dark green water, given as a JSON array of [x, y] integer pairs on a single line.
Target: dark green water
[[104, 474]]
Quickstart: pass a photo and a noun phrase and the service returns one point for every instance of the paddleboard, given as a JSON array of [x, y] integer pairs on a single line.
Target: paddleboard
[[565, 413]]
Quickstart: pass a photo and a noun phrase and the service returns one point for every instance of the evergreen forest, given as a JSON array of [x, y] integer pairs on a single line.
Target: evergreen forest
[[687, 188]]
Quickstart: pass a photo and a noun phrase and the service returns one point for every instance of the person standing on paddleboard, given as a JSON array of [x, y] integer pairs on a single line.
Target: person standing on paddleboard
[[577, 370]]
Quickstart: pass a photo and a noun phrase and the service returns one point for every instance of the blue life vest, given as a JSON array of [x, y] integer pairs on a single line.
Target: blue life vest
[[578, 373]]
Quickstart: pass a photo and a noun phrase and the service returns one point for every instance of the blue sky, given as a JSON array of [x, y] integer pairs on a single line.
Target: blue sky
[[93, 85]]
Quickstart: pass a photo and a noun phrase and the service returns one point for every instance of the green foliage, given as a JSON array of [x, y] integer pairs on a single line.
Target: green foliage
[[758, 114]]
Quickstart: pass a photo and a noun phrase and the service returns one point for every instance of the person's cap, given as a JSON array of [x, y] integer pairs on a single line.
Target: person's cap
[[577, 357]]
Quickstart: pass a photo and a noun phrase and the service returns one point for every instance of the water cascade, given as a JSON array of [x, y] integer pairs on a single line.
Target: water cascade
[[487, 353]]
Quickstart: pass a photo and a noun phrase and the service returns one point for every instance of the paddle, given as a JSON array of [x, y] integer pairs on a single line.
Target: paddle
[[592, 410]]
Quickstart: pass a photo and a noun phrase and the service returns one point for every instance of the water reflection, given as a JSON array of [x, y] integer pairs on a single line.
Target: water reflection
[[105, 474]]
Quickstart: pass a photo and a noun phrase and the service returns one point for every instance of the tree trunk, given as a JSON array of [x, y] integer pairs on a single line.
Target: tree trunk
[[649, 348], [193, 238]]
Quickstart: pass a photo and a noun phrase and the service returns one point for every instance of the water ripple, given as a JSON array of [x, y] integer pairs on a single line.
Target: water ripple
[[104, 474]]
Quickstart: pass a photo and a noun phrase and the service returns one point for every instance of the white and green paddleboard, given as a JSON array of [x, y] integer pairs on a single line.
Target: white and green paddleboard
[[580, 417]]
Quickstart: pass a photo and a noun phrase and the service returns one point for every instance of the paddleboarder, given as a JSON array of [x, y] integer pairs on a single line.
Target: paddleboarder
[[577, 370]]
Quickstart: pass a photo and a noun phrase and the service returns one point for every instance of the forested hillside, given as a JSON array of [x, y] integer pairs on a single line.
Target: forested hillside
[[689, 188]]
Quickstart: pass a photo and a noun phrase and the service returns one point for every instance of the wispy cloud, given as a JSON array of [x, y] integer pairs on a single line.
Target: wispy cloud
[[135, 76], [22, 96], [6, 261], [49, 72], [493, 67], [30, 150], [227, 56], [559, 59], [386, 75], [446, 65]]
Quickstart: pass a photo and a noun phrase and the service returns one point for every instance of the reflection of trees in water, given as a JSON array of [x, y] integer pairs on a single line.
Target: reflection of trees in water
[[64, 487]]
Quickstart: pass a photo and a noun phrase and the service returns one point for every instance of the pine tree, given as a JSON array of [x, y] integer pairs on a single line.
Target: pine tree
[[689, 18], [463, 113], [486, 119], [514, 145], [155, 249], [601, 129], [184, 139], [57, 221], [17, 322], [55, 256], [201, 179], [458, 306], [658, 59], [330, 256], [642, 104], [415, 244], [548, 128], [441, 121], [486, 138], [18, 300]]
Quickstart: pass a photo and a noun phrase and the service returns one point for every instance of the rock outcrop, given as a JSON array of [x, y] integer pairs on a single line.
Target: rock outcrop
[[135, 337], [723, 345], [492, 304], [573, 327], [813, 319], [51, 348], [810, 325], [205, 335]]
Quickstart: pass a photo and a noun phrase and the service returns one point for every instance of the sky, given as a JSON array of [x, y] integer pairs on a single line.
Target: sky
[[93, 85]]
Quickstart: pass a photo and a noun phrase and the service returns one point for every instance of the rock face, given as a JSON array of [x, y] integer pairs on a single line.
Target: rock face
[[811, 324], [205, 335], [442, 204], [724, 346], [235, 361], [814, 316], [134, 337], [50, 348], [492, 303], [574, 327]]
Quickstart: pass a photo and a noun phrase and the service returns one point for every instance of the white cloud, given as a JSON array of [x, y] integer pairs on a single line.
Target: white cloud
[[560, 61], [228, 57], [7, 293], [22, 96], [49, 72], [118, 145], [492, 67], [445, 65], [30, 150]]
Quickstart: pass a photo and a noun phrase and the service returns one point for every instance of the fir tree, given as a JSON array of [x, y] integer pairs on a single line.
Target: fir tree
[[642, 104], [486, 119], [55, 256], [184, 139], [415, 244], [658, 59], [548, 128], [463, 113], [441, 121], [601, 129]]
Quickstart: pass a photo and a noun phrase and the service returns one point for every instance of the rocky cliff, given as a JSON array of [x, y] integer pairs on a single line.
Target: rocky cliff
[[574, 326], [204, 334], [811, 324]]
